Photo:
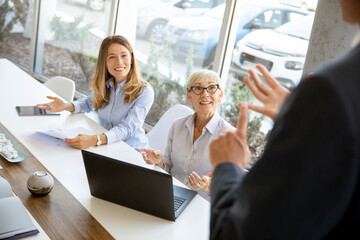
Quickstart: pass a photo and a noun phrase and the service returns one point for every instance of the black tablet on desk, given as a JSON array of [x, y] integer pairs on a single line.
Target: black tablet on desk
[[34, 111]]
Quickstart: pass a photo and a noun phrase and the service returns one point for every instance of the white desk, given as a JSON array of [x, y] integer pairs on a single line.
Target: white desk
[[66, 164]]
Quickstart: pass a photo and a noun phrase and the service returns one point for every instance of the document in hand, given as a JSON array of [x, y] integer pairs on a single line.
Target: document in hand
[[65, 133], [15, 221]]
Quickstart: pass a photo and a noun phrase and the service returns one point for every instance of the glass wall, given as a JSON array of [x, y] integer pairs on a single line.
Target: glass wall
[[69, 37], [16, 29], [276, 36], [172, 39]]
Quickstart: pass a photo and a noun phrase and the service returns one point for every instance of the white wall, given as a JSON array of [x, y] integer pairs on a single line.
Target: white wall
[[331, 36]]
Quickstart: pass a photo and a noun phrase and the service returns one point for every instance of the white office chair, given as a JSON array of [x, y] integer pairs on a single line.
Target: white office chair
[[62, 86], [158, 135]]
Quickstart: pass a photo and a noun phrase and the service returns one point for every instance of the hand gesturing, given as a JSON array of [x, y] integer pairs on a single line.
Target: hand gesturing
[[232, 146], [272, 97]]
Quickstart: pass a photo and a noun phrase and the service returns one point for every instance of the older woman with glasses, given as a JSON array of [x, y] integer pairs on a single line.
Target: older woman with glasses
[[187, 153]]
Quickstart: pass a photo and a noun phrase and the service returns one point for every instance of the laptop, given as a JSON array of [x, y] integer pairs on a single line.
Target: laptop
[[135, 187], [34, 111]]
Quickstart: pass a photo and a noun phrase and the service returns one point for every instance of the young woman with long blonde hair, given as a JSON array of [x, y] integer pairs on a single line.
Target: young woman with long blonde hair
[[119, 95]]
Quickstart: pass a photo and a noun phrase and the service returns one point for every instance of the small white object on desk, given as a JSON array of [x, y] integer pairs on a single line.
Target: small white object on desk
[[6, 147]]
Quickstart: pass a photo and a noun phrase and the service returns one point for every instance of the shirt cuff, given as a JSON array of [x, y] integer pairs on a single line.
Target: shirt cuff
[[76, 107], [110, 136]]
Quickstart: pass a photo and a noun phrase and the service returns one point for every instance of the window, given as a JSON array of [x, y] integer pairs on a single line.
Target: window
[[173, 41], [16, 19], [69, 38], [198, 3], [269, 19], [277, 38]]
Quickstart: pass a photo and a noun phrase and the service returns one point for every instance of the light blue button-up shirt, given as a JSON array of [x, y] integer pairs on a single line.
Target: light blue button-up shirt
[[182, 156], [123, 121]]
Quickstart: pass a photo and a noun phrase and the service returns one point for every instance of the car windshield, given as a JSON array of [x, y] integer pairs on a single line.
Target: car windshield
[[300, 28], [216, 12], [246, 10]]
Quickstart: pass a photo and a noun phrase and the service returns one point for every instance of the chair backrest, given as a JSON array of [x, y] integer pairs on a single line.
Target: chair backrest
[[158, 135], [62, 86]]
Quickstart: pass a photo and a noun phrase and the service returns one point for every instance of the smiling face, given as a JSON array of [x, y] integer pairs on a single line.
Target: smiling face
[[205, 103], [118, 62]]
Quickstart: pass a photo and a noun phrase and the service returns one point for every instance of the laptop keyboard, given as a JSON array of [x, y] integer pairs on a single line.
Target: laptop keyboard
[[178, 201]]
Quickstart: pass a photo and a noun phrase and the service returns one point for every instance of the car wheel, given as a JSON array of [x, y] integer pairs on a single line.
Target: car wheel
[[96, 5], [155, 31]]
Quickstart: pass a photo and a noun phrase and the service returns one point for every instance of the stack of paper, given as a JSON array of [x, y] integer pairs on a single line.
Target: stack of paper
[[63, 133]]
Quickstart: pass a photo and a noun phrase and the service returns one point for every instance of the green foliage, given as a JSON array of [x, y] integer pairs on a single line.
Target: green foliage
[[167, 90], [189, 62], [237, 91], [70, 36], [255, 138], [69, 31], [18, 9]]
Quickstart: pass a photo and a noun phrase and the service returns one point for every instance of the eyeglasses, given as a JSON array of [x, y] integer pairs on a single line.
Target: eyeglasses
[[199, 90]]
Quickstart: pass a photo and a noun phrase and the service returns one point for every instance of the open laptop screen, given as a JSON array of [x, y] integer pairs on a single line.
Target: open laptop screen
[[136, 187]]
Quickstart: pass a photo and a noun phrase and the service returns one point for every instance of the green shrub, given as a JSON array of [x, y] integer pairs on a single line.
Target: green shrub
[[19, 8], [69, 31]]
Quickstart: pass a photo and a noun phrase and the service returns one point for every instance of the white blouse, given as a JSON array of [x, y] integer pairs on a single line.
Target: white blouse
[[123, 120], [182, 156]]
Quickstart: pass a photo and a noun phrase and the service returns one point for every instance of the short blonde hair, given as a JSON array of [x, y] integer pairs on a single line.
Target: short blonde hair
[[202, 76]]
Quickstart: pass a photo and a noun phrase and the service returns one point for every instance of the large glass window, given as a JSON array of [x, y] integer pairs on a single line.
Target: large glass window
[[277, 37], [70, 34], [16, 18], [174, 38]]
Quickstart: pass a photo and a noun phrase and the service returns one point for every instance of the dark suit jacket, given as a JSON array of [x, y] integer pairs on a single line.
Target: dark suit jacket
[[306, 184]]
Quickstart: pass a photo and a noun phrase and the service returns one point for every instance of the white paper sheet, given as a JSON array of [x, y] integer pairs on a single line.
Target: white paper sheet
[[63, 133]]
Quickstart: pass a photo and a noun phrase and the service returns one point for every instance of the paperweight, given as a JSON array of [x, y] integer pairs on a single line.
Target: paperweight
[[40, 183]]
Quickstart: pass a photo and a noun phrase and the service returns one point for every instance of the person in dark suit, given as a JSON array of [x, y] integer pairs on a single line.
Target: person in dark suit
[[307, 183]]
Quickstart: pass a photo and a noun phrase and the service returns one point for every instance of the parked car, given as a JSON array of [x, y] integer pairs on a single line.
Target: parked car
[[152, 19], [201, 33], [282, 51], [303, 4], [96, 5]]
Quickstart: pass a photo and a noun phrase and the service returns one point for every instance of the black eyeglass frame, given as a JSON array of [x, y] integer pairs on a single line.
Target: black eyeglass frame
[[203, 88]]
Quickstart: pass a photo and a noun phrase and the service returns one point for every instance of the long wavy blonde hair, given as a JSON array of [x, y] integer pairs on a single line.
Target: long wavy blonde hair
[[134, 83]]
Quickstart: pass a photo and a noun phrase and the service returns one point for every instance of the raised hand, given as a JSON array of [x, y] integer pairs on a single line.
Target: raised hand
[[272, 97], [232, 146], [57, 105], [151, 156], [198, 182]]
